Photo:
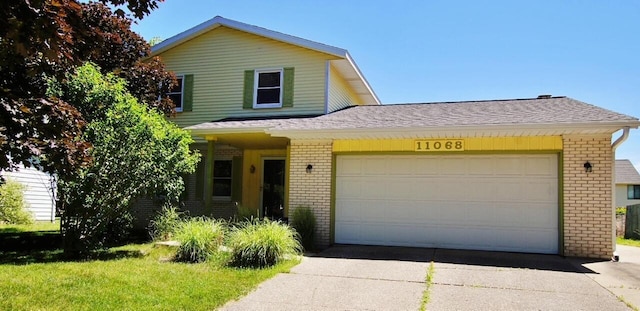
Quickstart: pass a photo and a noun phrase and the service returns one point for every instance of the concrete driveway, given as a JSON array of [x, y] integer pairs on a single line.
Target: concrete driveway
[[393, 278]]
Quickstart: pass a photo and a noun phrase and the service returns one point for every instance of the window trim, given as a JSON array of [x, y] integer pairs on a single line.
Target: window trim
[[181, 77], [633, 192], [256, 80], [230, 178]]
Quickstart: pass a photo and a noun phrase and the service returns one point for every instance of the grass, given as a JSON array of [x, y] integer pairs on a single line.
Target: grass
[[38, 226], [130, 277], [629, 242], [428, 281]]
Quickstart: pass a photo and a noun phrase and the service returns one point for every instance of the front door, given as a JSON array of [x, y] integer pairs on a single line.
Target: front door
[[273, 188]]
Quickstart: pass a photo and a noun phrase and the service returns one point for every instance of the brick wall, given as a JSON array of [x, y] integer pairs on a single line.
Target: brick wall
[[144, 209], [588, 212], [312, 189]]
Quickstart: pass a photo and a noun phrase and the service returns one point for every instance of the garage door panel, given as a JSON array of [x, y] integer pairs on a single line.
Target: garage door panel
[[488, 202], [540, 166], [480, 165]]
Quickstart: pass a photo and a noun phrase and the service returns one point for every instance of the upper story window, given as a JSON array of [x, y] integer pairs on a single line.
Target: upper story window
[[177, 92], [633, 192], [268, 89]]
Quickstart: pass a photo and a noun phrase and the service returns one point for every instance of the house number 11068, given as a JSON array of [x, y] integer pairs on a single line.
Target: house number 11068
[[439, 145]]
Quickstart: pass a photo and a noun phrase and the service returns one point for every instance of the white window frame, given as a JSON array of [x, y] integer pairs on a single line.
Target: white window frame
[[256, 80], [179, 109]]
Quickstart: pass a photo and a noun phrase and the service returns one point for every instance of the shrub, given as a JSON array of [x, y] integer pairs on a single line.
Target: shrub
[[304, 221], [621, 210], [244, 213], [262, 243], [199, 238], [164, 225], [13, 205]]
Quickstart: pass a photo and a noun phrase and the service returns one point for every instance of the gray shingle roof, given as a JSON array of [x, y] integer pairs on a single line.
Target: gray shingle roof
[[555, 110], [626, 173], [557, 113]]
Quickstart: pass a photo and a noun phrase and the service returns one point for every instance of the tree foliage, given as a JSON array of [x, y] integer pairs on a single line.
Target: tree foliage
[[135, 152], [46, 39]]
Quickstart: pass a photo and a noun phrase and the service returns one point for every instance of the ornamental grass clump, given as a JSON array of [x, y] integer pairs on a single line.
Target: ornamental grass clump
[[304, 221], [262, 243], [165, 224], [199, 239]]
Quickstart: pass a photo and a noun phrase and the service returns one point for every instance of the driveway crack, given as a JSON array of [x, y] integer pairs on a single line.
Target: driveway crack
[[361, 278]]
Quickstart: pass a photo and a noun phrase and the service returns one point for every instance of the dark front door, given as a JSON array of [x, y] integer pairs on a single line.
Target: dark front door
[[273, 189]]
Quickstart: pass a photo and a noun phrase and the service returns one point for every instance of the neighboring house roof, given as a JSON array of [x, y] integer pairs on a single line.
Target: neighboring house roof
[[512, 117], [345, 64], [626, 173]]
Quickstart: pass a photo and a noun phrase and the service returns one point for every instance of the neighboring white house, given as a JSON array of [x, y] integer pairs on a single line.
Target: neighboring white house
[[39, 192], [627, 184]]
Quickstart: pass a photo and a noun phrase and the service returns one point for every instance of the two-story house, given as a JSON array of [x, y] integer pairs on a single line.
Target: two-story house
[[284, 122]]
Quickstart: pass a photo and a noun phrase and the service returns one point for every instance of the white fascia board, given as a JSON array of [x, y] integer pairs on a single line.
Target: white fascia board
[[362, 78], [217, 131], [221, 21], [460, 131]]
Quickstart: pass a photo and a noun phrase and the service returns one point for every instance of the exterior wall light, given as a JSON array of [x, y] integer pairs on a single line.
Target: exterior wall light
[[309, 168], [588, 167], [252, 169]]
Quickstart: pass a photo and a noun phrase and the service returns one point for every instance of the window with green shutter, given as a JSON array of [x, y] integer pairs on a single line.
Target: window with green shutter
[[268, 88], [182, 93]]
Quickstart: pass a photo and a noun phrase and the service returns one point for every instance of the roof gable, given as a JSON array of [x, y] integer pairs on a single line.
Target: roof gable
[[626, 173], [219, 21], [344, 63]]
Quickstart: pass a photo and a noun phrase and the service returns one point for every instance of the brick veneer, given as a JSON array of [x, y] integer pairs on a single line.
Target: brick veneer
[[312, 189], [588, 210], [144, 209]]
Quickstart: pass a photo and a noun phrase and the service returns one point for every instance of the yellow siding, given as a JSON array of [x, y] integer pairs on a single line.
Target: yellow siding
[[530, 143], [218, 59], [252, 182], [340, 94]]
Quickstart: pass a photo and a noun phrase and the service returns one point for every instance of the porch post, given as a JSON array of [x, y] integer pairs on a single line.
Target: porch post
[[208, 176]]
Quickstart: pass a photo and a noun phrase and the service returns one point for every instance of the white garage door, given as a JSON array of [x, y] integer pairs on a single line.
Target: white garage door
[[482, 202]]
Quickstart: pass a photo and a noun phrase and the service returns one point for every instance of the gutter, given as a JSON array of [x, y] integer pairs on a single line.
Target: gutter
[[621, 139], [618, 142]]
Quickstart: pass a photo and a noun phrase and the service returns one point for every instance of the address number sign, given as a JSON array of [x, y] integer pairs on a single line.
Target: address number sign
[[439, 145]]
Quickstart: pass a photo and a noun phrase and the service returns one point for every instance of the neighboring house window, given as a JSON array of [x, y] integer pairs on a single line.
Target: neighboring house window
[[222, 172], [176, 93], [633, 192], [268, 89]]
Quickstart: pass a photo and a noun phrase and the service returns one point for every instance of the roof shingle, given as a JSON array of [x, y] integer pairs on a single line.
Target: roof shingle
[[626, 173], [555, 110]]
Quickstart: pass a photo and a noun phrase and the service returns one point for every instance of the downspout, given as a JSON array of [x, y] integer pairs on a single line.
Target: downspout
[[614, 145]]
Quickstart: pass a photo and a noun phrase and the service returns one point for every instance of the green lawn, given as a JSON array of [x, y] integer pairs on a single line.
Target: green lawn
[[630, 242], [131, 277], [38, 226]]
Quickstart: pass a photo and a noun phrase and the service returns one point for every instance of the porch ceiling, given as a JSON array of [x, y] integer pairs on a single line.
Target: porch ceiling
[[250, 140]]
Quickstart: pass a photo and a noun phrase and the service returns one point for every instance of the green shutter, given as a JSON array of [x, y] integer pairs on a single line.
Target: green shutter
[[187, 97], [287, 95], [247, 102], [236, 179]]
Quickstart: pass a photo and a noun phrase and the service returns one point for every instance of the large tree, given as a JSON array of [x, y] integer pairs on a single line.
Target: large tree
[[47, 39], [135, 152]]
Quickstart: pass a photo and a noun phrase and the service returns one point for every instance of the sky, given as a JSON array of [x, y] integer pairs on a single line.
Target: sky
[[430, 51]]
